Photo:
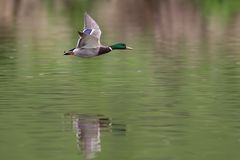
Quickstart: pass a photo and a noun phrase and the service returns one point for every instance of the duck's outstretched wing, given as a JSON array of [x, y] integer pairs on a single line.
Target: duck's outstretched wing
[[90, 37], [87, 41], [91, 27], [79, 42]]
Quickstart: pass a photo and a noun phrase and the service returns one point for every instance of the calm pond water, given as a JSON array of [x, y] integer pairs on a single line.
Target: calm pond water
[[174, 97]]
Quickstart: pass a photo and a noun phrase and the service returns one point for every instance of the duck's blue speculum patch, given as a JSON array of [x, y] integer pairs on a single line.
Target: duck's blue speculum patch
[[88, 31]]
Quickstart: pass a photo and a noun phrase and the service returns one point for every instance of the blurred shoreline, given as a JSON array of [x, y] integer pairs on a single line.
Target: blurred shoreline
[[167, 21]]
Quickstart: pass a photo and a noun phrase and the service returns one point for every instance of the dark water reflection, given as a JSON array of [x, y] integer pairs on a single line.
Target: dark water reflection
[[88, 130], [175, 96]]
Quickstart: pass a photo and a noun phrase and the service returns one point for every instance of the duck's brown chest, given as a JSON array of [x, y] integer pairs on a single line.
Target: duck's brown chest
[[104, 50]]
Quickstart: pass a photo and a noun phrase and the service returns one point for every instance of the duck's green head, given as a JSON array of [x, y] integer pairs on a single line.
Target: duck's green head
[[120, 46]]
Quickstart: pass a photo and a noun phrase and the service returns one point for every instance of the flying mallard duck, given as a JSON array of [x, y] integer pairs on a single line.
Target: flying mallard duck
[[88, 44]]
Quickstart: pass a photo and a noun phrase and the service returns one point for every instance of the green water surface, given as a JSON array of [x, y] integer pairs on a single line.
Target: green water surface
[[174, 97]]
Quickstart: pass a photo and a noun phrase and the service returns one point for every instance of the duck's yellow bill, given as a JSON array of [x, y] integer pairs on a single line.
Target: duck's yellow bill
[[130, 48]]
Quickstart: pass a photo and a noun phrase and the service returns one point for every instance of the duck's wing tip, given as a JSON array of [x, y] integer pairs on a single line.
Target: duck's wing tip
[[86, 13], [89, 22], [91, 27]]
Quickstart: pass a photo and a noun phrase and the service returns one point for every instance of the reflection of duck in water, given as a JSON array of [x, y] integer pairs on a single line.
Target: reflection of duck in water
[[88, 132]]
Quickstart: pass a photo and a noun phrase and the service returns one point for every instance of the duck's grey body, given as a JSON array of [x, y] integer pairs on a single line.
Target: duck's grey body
[[86, 52], [91, 52]]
